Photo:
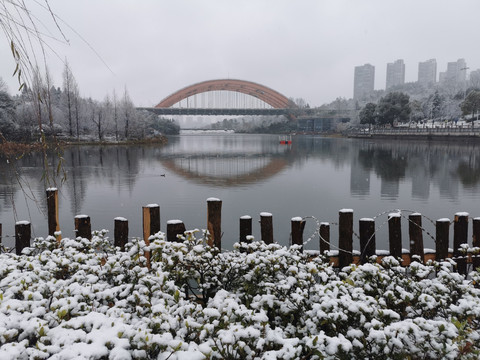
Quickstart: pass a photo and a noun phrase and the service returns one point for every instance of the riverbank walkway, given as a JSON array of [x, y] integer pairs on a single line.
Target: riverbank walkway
[[429, 133]]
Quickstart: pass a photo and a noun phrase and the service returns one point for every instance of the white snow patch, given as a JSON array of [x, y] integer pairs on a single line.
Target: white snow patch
[[22, 222], [172, 222]]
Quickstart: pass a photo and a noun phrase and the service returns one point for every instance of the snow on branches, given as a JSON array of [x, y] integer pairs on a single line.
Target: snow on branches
[[86, 299]]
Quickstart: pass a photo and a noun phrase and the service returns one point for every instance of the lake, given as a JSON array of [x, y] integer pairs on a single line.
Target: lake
[[314, 176]]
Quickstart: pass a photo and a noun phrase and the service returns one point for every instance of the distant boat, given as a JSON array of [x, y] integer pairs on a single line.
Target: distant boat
[[286, 140]]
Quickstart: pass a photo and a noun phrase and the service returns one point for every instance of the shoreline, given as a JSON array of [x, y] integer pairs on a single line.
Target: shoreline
[[443, 135], [12, 148]]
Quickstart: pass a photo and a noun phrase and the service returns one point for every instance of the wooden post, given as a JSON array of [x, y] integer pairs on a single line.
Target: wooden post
[[442, 239], [345, 237], [395, 234], [324, 237], [367, 239], [475, 240], [121, 232], [151, 221], [23, 232], [214, 222], [52, 212], [416, 235], [0, 233], [174, 228], [83, 228], [245, 228], [266, 227], [151, 225], [298, 225], [460, 236]]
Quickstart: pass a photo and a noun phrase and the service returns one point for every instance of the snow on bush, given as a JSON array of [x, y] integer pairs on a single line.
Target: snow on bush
[[85, 299]]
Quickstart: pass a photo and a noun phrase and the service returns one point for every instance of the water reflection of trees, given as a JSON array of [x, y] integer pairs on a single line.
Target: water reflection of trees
[[469, 172], [115, 166]]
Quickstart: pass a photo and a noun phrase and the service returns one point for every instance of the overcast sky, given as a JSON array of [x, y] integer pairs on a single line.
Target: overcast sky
[[303, 49]]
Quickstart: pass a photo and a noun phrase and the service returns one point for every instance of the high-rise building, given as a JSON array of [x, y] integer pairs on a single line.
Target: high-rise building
[[364, 81], [475, 78], [395, 73], [427, 72], [456, 72]]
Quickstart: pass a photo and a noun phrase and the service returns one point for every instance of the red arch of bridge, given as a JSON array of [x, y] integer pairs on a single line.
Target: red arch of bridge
[[270, 96]]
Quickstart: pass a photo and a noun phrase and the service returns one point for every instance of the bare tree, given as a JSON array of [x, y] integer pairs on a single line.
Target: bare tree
[[76, 106], [115, 113], [3, 85], [128, 112], [68, 88]]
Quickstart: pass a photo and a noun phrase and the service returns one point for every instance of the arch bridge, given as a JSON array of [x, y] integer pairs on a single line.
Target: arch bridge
[[272, 102]]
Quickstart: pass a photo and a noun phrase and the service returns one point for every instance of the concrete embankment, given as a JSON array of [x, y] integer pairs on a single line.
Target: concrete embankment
[[444, 134]]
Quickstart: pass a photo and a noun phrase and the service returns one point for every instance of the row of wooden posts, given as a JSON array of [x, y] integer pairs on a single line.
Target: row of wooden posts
[[151, 225]]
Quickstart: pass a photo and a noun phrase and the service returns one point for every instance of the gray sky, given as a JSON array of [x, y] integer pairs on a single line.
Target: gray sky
[[303, 49]]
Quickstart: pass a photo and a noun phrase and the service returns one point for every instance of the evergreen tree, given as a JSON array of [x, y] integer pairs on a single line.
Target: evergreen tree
[[393, 107], [368, 115]]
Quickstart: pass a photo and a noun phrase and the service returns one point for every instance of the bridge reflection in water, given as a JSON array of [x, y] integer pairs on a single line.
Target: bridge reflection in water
[[241, 163]]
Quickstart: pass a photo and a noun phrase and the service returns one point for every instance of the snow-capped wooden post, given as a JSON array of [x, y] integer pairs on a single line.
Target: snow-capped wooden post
[[52, 212], [245, 228], [460, 237], [266, 227], [214, 222], [416, 235], [395, 234], [151, 221], [367, 239], [23, 232], [442, 232], [174, 228], [324, 237], [475, 240], [83, 228], [120, 232], [151, 225], [345, 237], [298, 225]]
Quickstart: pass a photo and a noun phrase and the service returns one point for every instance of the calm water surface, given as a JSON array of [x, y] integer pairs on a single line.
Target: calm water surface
[[314, 176]]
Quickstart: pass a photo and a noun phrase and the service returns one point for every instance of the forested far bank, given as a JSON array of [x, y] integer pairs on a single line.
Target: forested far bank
[[43, 109]]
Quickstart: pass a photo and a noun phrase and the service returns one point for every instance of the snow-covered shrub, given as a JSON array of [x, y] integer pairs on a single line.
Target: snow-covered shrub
[[86, 299]]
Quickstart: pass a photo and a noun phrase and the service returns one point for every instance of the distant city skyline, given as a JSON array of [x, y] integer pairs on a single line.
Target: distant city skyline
[[456, 72]]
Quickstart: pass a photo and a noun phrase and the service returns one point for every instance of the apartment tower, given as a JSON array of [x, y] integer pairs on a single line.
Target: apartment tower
[[364, 81], [395, 74], [427, 72]]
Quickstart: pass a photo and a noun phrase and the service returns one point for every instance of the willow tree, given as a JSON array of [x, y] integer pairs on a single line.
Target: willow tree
[[26, 36]]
